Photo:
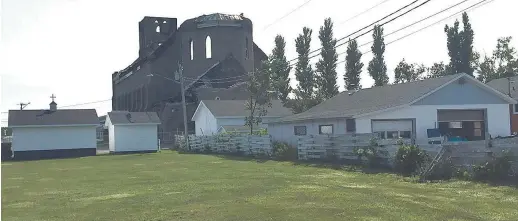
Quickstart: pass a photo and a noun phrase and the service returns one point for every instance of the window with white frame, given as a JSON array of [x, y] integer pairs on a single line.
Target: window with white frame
[[300, 130], [325, 129], [515, 109]]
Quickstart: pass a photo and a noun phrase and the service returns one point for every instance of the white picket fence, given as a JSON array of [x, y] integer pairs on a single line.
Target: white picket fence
[[231, 143]]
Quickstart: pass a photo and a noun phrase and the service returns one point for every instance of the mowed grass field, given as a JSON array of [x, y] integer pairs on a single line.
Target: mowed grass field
[[172, 186]]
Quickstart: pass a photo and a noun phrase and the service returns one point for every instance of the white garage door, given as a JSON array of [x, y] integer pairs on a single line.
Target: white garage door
[[393, 129]]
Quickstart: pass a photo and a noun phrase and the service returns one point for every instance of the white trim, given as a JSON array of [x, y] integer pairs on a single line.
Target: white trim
[[197, 109], [55, 125]]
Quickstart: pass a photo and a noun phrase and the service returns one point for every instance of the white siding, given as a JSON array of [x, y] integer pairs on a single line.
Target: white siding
[[426, 118], [241, 121], [53, 138], [111, 138], [135, 138], [286, 133], [205, 122]]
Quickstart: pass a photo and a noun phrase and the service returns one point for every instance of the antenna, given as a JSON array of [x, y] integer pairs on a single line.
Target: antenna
[[23, 105]]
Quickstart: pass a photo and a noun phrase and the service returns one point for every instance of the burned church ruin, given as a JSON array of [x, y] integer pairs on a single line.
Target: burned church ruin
[[216, 52]]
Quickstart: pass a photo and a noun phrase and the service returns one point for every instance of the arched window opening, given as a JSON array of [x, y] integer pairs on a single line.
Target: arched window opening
[[208, 47], [191, 45], [246, 48]]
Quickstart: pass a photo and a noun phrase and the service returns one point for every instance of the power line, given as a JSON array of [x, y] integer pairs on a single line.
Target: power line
[[311, 52], [361, 13], [372, 28], [472, 7], [286, 15], [407, 26]]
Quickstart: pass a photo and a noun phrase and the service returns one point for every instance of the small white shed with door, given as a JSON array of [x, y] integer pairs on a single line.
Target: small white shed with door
[[132, 132]]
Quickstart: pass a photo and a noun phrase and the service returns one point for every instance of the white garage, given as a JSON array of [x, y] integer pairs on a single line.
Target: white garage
[[457, 106], [132, 132]]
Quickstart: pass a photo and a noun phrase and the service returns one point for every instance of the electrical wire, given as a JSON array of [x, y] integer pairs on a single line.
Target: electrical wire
[[373, 23], [363, 12], [286, 15], [407, 26], [472, 7]]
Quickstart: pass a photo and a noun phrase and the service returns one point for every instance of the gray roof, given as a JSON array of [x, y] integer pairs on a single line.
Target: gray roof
[[236, 108], [51, 118], [371, 99], [125, 117], [502, 85], [238, 92]]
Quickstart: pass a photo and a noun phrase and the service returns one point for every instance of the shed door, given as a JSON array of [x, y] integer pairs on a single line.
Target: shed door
[[393, 129]]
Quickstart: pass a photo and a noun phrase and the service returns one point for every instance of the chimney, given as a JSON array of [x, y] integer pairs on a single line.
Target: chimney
[[53, 106]]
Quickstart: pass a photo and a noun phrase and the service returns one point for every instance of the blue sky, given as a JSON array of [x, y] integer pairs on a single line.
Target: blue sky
[[71, 47]]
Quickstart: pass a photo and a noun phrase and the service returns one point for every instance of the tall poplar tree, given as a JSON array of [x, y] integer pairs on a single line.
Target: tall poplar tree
[[326, 66], [353, 66], [377, 67], [305, 92], [280, 70]]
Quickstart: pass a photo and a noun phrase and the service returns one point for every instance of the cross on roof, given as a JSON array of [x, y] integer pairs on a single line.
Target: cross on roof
[[53, 96]]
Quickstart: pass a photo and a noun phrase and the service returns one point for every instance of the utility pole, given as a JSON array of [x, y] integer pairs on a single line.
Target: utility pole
[[179, 74], [23, 105]]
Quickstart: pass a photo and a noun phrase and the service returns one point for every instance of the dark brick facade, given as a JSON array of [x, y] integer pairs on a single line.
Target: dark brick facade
[[144, 85]]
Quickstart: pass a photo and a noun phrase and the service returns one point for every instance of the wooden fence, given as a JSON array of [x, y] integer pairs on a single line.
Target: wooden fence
[[231, 143], [342, 146]]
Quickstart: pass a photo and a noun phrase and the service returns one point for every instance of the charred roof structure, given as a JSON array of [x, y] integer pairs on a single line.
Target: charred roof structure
[[216, 52]]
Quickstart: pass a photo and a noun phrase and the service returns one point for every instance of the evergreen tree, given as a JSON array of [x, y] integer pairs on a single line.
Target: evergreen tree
[[463, 58], [405, 72], [304, 74], [280, 70], [377, 67], [353, 66], [326, 66]]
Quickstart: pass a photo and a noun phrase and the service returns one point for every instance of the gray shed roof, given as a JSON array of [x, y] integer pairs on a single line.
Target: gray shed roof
[[236, 108], [52, 118], [505, 86], [371, 99], [125, 117]]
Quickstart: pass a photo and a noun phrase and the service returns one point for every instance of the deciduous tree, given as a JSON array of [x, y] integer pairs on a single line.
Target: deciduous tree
[[377, 67]]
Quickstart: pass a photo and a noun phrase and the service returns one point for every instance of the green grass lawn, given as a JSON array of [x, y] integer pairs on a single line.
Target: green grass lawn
[[172, 186]]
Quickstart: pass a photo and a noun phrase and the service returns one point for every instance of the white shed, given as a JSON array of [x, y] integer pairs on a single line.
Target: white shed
[[132, 132], [52, 133], [216, 116]]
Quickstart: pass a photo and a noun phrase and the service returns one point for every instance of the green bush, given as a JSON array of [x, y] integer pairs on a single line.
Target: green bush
[[283, 151], [409, 158], [495, 170], [373, 154]]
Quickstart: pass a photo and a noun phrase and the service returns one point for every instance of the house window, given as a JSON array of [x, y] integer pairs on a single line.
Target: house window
[[350, 125], [394, 134], [208, 47], [515, 109], [300, 130], [325, 129]]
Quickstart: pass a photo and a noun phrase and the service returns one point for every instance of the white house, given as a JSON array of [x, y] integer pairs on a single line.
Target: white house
[[456, 105], [131, 132], [216, 116], [53, 133]]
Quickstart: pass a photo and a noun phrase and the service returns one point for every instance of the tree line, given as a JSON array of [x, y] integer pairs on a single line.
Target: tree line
[[320, 83]]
